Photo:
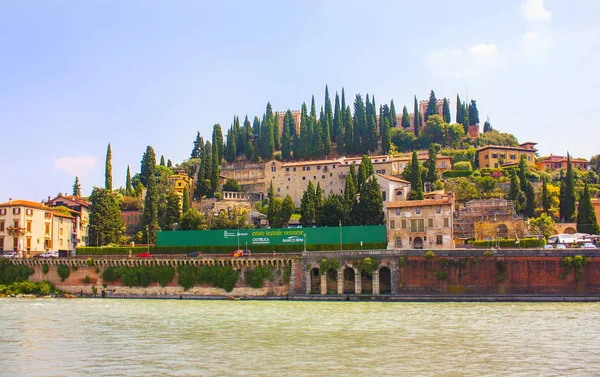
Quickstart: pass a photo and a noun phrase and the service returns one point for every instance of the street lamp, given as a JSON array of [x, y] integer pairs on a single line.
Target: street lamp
[[238, 236], [341, 248], [148, 238], [304, 242]]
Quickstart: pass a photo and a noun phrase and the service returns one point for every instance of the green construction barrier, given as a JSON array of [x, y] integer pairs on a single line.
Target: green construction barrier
[[273, 237]]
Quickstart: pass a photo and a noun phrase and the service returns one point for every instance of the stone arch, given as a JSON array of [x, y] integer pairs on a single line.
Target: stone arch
[[570, 230], [385, 280], [331, 278], [315, 281], [502, 231], [366, 282], [349, 280], [417, 243]]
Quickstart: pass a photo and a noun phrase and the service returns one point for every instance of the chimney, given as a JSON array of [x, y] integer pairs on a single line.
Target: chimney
[[9, 200], [48, 198]]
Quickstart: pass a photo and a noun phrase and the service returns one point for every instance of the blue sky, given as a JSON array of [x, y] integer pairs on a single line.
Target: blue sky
[[76, 75]]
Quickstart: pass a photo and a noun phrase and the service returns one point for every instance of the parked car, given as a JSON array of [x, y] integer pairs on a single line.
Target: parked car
[[560, 246], [145, 254], [47, 254], [548, 247], [194, 254], [588, 245], [240, 253], [9, 254]]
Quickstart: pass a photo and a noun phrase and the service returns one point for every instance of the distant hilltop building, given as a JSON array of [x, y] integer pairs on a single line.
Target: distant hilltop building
[[295, 115], [554, 162], [495, 156]]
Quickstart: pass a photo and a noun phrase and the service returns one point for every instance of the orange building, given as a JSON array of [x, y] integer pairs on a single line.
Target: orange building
[[554, 162], [494, 156]]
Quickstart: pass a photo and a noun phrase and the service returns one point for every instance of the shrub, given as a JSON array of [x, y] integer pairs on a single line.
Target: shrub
[[287, 274], [510, 243], [162, 274], [45, 268], [440, 275], [256, 278], [488, 253], [63, 272], [430, 254], [187, 276], [74, 268], [463, 166], [108, 275], [10, 273], [369, 266], [86, 280], [456, 173], [90, 262], [401, 262]]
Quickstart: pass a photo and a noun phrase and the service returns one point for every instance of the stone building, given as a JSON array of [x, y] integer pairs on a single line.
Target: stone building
[[80, 211], [180, 181], [31, 228], [494, 156], [420, 224], [295, 114], [483, 219], [554, 162]]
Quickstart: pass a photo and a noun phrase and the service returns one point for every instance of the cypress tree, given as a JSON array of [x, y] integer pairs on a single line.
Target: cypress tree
[[105, 221], [386, 136], [256, 130], [108, 169], [473, 113], [169, 163], [360, 126], [307, 206], [276, 140], [350, 188], [128, 188], [586, 215], [77, 186], [217, 143], [369, 210], [372, 137], [148, 165], [460, 111], [215, 170], [431, 106], [338, 125], [393, 121], [185, 200], [431, 163], [405, 118], [319, 148], [545, 197], [326, 137], [238, 133], [416, 181], [568, 207], [527, 189], [318, 196], [286, 138], [365, 170], [301, 148], [198, 144], [348, 131], [466, 124], [149, 223], [172, 212], [416, 118], [328, 118], [248, 139], [162, 161], [312, 125], [446, 111], [207, 159], [516, 195], [487, 127]]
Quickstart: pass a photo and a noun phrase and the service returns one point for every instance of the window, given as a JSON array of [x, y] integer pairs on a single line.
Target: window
[[294, 169], [28, 243], [318, 167], [417, 225], [15, 243], [418, 210], [331, 174], [438, 209], [487, 157], [29, 212], [278, 189], [430, 223], [446, 222], [392, 224], [528, 158], [288, 179], [333, 166], [3, 211], [1, 228], [29, 226], [304, 178], [323, 176], [438, 239], [398, 242], [513, 156], [494, 155], [47, 230], [314, 177], [47, 215], [16, 224], [16, 211], [287, 169], [1, 243], [128, 218], [273, 169], [60, 231], [135, 218], [495, 164], [304, 168], [403, 224], [383, 195], [308, 168], [397, 211]]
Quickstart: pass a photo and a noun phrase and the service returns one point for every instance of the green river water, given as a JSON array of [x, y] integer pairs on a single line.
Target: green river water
[[112, 337]]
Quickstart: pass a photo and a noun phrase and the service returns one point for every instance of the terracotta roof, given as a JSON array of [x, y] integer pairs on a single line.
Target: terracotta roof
[[73, 198], [60, 214], [24, 203], [418, 203], [505, 147], [554, 158], [318, 162], [392, 178]]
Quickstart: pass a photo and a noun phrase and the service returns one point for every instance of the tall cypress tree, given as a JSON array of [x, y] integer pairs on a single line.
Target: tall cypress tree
[[350, 189], [545, 197], [393, 121], [198, 144], [162, 161], [238, 133], [326, 135], [301, 148], [473, 113], [360, 126], [386, 137], [128, 188], [276, 140], [319, 148], [517, 195], [108, 169], [328, 116], [527, 189], [248, 139], [348, 132], [256, 130], [416, 192], [216, 159], [405, 118], [371, 132], [568, 208], [431, 163], [286, 137], [307, 206], [77, 186], [586, 215], [185, 200], [431, 106], [318, 196], [416, 118], [338, 125], [312, 125], [148, 165], [460, 111], [446, 111]]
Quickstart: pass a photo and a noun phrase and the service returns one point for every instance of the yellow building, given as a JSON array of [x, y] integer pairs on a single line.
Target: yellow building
[[495, 156], [180, 181]]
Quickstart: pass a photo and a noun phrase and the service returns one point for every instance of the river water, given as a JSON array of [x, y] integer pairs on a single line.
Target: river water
[[112, 337]]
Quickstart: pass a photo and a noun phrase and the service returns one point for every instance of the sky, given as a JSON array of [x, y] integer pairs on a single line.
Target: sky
[[77, 75]]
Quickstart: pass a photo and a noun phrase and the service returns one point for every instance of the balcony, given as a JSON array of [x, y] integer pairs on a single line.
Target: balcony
[[16, 231]]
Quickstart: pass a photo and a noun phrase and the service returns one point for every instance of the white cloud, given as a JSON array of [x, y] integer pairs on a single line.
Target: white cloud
[[531, 36], [76, 166], [534, 10], [475, 60], [535, 47]]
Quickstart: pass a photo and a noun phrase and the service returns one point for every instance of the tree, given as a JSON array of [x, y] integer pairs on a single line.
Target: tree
[[333, 211], [405, 118], [487, 127], [149, 223], [276, 140], [466, 124], [328, 118], [360, 126], [416, 182], [527, 189], [77, 187], [351, 189], [318, 196], [416, 118], [108, 169], [231, 185], [371, 131], [248, 140], [386, 137], [431, 163], [326, 134], [446, 111], [319, 147], [365, 170], [169, 163], [185, 200], [348, 131], [473, 113], [431, 106], [172, 212], [204, 173], [198, 144], [370, 206], [305, 138], [546, 203], [217, 154], [393, 120], [567, 195], [307, 206], [162, 161], [543, 225], [287, 209], [595, 163], [403, 140], [286, 137], [106, 224], [586, 215], [460, 111], [516, 194], [192, 220], [338, 125], [273, 212], [128, 188], [148, 165]]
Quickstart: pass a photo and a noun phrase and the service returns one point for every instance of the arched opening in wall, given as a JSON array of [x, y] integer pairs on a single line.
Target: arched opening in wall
[[385, 281], [349, 280], [418, 243], [570, 230], [315, 281], [331, 281], [502, 231], [366, 282]]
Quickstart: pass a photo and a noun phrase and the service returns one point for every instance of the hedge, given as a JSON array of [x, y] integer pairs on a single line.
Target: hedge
[[90, 250], [510, 243], [456, 173]]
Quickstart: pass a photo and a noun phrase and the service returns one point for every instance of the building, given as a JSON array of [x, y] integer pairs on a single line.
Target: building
[[483, 219], [180, 181], [495, 156], [295, 114], [554, 162], [393, 189], [31, 228], [131, 219], [420, 224], [80, 211]]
